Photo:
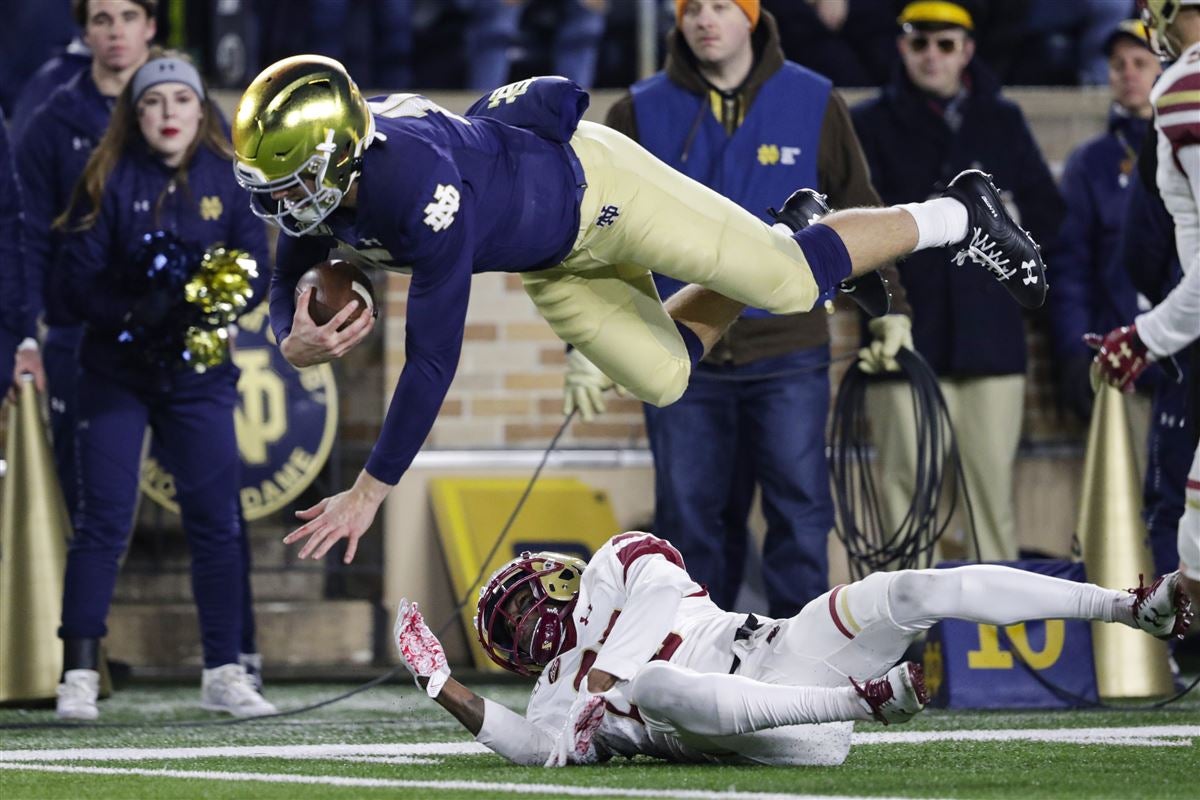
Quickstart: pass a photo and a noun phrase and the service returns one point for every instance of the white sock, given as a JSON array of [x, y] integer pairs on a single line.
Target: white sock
[[940, 222]]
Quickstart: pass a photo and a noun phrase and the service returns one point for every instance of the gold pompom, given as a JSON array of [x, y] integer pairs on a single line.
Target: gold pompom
[[206, 348], [221, 287]]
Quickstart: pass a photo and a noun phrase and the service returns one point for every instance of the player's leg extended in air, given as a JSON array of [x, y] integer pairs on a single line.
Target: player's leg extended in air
[[640, 215]]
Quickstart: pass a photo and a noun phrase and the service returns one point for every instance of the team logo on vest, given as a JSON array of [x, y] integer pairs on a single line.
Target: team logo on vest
[[771, 154], [285, 421], [211, 208], [608, 215]]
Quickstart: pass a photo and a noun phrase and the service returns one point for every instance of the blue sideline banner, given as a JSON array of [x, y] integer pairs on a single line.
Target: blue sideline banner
[[968, 665]]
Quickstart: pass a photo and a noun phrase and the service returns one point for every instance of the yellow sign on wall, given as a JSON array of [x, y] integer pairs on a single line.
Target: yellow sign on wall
[[562, 514]]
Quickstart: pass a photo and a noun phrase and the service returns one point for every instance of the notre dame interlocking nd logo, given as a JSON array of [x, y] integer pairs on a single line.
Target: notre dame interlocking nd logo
[[286, 420]]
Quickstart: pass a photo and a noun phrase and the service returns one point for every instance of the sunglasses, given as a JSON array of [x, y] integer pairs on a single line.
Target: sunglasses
[[919, 43]]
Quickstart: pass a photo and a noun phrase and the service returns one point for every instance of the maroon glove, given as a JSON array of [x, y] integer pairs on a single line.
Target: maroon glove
[[1122, 356]]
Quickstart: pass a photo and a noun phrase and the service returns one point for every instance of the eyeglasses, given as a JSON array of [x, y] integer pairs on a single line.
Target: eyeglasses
[[919, 43]]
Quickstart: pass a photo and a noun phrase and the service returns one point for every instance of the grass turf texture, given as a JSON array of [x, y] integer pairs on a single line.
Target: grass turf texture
[[398, 714]]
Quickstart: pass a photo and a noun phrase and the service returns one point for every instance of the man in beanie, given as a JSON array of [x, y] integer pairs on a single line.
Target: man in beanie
[[730, 112], [1092, 289], [941, 113]]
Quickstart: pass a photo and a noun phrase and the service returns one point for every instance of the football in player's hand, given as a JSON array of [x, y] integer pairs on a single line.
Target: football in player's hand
[[336, 283]]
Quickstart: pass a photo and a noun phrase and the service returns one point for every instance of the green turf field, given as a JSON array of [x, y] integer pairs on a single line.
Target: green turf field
[[393, 742]]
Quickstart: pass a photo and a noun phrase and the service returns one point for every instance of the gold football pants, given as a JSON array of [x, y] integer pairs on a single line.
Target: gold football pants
[[638, 215]]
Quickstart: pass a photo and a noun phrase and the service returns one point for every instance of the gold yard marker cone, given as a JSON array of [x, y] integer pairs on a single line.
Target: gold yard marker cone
[[1129, 663], [34, 530]]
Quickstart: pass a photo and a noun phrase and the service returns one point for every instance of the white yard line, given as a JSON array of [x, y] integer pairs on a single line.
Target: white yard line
[[386, 783], [1145, 736]]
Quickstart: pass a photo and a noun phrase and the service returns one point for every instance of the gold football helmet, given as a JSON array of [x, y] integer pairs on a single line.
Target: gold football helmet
[[299, 132], [1158, 16]]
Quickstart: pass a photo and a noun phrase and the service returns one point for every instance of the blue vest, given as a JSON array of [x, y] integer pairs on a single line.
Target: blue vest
[[772, 154]]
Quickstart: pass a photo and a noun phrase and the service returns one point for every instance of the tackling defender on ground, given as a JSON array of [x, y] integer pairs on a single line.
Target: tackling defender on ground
[[633, 658]]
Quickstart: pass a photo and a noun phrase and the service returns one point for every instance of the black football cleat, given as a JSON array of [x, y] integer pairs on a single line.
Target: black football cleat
[[996, 242], [806, 206], [801, 209]]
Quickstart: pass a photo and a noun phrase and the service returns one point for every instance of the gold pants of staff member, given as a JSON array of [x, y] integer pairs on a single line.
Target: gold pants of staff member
[[986, 413], [639, 215]]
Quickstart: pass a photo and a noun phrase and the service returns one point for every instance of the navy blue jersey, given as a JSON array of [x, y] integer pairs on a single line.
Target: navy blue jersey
[[142, 195], [13, 318], [442, 196], [51, 154]]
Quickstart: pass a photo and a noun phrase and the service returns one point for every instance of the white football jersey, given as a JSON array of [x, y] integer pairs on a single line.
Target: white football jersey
[[1174, 323], [636, 604]]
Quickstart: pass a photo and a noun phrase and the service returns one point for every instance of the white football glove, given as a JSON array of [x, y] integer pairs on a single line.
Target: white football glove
[[420, 649], [584, 386], [574, 744], [891, 332]]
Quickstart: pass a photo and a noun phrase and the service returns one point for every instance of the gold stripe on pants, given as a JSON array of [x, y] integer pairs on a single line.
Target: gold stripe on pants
[[602, 299]]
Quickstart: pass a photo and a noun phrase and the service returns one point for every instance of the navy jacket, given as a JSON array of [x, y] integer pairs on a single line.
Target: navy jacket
[[964, 322], [14, 321], [211, 209], [60, 69], [1091, 289], [51, 156], [443, 196]]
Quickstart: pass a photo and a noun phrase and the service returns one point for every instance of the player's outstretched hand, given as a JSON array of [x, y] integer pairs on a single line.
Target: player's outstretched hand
[[419, 647], [310, 343], [346, 515], [575, 743]]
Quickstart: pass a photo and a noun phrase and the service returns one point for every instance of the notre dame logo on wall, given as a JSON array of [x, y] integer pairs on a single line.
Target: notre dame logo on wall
[[286, 420]]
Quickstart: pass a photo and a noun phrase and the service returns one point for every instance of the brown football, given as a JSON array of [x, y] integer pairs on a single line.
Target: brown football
[[337, 283]]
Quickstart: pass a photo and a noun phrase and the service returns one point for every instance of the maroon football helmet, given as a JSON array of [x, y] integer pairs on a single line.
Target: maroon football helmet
[[552, 581]]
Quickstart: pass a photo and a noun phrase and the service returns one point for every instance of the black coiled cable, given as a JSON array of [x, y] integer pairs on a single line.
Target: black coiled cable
[[870, 544]]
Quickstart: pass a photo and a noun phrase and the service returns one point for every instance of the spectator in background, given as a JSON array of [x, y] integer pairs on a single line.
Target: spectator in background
[[61, 67], [761, 396], [851, 42], [942, 113], [1092, 289], [493, 31], [51, 155], [163, 164], [389, 65], [1069, 37], [15, 325], [31, 32]]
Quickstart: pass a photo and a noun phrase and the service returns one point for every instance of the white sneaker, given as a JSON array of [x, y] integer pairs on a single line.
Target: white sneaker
[[77, 694], [252, 662], [228, 688]]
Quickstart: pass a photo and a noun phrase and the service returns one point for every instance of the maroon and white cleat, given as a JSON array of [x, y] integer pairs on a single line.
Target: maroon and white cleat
[[1162, 609], [898, 696]]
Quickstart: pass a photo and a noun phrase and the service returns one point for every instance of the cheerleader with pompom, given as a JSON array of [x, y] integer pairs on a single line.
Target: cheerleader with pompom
[[159, 259]]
